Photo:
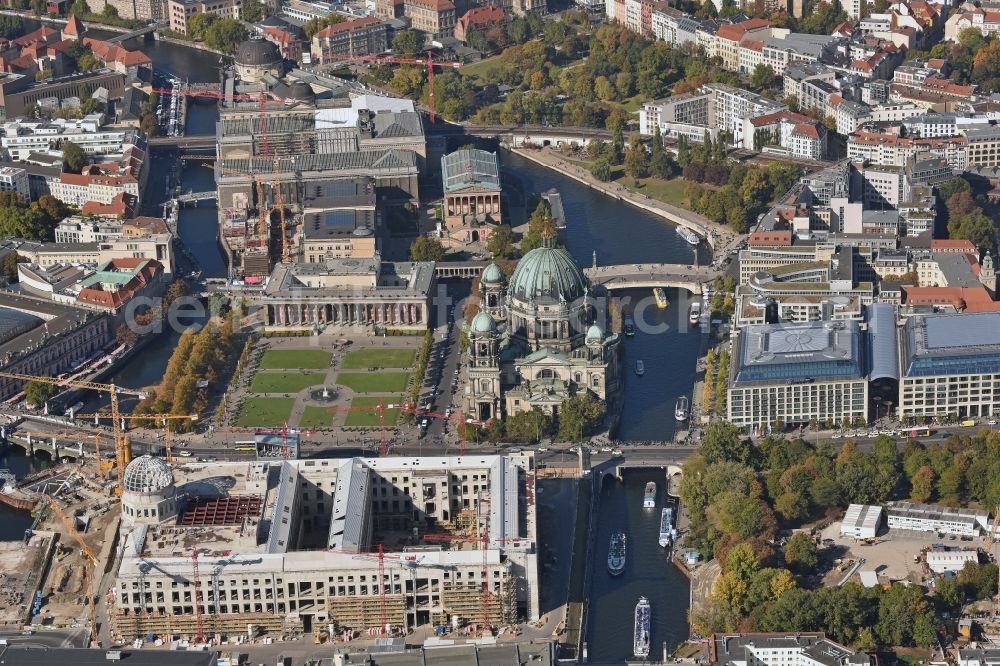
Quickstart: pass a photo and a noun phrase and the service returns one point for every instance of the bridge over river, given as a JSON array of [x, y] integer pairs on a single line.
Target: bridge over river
[[637, 276]]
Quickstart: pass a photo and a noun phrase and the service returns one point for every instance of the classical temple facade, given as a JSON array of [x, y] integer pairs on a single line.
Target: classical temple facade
[[348, 292]]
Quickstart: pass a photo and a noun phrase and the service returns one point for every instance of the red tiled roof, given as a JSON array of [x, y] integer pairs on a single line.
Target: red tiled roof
[[967, 299], [115, 299], [74, 26], [482, 16], [953, 245]]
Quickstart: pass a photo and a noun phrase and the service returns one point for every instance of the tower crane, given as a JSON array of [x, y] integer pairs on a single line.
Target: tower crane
[[163, 418], [123, 450], [427, 62], [102, 465], [484, 539], [196, 597]]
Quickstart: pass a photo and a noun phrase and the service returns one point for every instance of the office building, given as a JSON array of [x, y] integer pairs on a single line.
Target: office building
[[950, 365], [796, 373]]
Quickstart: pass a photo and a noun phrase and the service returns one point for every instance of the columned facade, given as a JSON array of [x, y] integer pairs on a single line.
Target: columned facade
[[341, 313]]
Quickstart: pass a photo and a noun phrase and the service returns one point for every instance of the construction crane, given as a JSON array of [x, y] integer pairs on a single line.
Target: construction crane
[[123, 450], [382, 615], [102, 465], [196, 597], [484, 539], [458, 417], [427, 62], [89, 554], [162, 418]]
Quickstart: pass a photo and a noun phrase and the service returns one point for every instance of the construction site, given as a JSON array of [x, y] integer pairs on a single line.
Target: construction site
[[332, 548], [282, 167]]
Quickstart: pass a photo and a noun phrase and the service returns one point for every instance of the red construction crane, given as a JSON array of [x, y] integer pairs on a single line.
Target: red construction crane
[[196, 597], [485, 540], [427, 62], [382, 615], [458, 417]]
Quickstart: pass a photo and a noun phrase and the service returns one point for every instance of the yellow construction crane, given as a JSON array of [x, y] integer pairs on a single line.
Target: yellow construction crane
[[162, 418], [89, 554], [123, 451], [102, 465]]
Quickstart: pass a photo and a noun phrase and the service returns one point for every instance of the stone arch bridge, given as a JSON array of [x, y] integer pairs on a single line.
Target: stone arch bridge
[[637, 276]]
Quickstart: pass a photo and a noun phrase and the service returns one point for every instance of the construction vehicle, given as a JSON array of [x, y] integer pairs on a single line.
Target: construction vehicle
[[162, 418], [123, 449]]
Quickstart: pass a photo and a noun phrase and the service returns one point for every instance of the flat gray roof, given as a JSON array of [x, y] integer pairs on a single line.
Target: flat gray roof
[[801, 352]]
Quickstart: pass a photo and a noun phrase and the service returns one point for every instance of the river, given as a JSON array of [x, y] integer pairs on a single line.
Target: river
[[621, 234], [648, 572]]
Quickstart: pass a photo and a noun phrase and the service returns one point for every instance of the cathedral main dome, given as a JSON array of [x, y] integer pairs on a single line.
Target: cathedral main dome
[[547, 273]]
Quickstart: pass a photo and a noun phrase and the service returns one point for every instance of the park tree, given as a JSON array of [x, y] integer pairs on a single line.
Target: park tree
[[74, 159], [406, 42], [979, 580], [922, 484], [528, 426], [636, 159], [975, 227], [579, 416], [763, 76], [10, 263], [225, 35], [722, 443], [253, 11], [425, 248], [540, 225], [601, 170], [37, 394], [198, 25], [501, 242], [800, 553]]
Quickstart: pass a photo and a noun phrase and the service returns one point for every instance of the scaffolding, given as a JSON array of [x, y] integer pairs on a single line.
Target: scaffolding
[[365, 611], [124, 623]]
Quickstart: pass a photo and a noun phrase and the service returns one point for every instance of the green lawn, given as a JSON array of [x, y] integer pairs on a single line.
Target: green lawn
[[285, 382], [277, 359], [316, 417], [379, 358], [667, 191], [264, 412], [483, 71], [359, 418], [374, 382]]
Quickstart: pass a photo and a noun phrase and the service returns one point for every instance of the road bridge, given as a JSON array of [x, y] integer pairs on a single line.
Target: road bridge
[[639, 276], [195, 141], [194, 197]]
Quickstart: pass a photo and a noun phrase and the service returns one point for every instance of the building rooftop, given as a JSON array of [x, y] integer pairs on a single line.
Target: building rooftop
[[948, 344], [741, 649], [799, 353], [470, 169]]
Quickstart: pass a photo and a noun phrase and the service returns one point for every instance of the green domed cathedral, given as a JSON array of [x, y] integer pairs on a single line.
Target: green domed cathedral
[[535, 341]]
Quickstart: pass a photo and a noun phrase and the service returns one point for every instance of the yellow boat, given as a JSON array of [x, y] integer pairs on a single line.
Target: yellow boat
[[661, 298]]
